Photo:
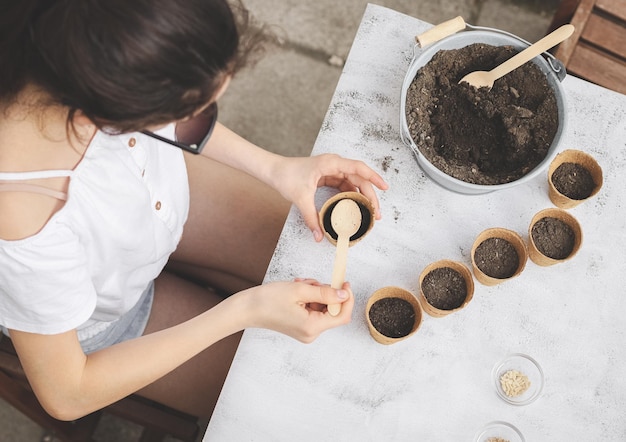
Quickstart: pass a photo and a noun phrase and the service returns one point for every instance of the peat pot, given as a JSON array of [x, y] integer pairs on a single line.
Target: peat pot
[[498, 258], [556, 240], [441, 284], [393, 314], [367, 216], [557, 180]]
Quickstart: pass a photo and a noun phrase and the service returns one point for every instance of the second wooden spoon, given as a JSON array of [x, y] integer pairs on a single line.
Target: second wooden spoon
[[346, 221], [480, 79]]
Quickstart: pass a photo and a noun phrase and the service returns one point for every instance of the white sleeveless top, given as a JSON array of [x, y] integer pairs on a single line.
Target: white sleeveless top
[[127, 201]]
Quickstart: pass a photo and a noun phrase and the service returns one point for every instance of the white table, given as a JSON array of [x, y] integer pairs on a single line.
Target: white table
[[436, 385]]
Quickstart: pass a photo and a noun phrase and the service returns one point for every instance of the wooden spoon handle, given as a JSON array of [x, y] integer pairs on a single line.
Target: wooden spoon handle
[[339, 270], [552, 39], [440, 31]]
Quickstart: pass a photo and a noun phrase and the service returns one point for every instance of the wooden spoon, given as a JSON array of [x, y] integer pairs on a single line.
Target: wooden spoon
[[346, 221], [480, 79]]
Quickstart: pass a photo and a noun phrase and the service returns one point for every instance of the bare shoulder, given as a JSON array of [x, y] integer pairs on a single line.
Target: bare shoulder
[[27, 205], [24, 214]]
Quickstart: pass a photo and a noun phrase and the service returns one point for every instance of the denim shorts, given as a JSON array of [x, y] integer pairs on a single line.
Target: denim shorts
[[129, 326]]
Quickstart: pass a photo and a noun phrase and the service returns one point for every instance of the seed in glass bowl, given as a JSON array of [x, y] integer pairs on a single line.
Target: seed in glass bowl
[[514, 383]]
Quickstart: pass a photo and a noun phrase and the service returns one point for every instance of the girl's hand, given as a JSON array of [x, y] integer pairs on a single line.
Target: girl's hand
[[297, 179], [297, 309]]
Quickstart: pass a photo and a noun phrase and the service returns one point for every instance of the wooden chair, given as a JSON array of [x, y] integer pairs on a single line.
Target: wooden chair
[[157, 419], [597, 49]]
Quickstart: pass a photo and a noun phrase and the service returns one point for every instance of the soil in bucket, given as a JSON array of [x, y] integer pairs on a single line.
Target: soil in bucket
[[482, 136], [553, 237], [444, 288], [392, 317], [496, 257]]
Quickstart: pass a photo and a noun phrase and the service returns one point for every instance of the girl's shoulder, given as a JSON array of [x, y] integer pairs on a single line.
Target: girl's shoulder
[[26, 208], [34, 178], [29, 197]]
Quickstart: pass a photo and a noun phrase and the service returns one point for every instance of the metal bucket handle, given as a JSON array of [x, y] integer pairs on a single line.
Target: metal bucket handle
[[457, 24]]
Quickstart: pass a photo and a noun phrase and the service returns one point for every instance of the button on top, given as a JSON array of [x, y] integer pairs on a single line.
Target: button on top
[[132, 142], [158, 205]]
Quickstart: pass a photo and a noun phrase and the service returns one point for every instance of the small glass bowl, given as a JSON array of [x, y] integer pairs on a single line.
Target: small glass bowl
[[503, 430], [525, 365]]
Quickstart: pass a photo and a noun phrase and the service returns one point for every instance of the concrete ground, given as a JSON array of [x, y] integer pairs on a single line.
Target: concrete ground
[[280, 103]]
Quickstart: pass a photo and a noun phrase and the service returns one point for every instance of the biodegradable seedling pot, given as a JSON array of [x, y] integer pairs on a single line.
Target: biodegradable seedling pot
[[551, 244], [499, 237], [383, 320], [456, 282], [573, 177], [367, 216]]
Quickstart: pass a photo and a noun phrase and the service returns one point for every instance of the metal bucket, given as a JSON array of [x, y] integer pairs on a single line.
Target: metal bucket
[[554, 70]]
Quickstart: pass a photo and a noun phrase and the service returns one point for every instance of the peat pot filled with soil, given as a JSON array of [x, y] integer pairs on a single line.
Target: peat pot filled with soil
[[445, 287], [393, 314], [498, 255], [367, 216], [475, 141], [554, 236], [574, 176]]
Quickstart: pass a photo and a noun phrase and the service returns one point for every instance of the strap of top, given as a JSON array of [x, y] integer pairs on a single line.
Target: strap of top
[[11, 186], [32, 188], [22, 176]]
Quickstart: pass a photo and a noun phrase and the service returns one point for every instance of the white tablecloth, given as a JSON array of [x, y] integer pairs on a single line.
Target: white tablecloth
[[437, 385]]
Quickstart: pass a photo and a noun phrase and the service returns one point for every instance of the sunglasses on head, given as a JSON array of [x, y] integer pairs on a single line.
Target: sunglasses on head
[[192, 134]]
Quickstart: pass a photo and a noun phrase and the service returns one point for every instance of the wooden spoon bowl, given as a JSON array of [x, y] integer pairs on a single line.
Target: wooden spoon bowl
[[486, 79]]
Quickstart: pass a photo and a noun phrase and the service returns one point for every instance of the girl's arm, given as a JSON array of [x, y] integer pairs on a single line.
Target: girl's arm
[[297, 179], [231, 149], [70, 384]]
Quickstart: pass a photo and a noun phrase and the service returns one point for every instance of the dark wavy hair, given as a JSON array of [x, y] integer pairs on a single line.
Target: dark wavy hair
[[126, 64]]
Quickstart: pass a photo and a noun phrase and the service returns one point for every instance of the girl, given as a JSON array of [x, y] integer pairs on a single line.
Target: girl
[[110, 234]]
